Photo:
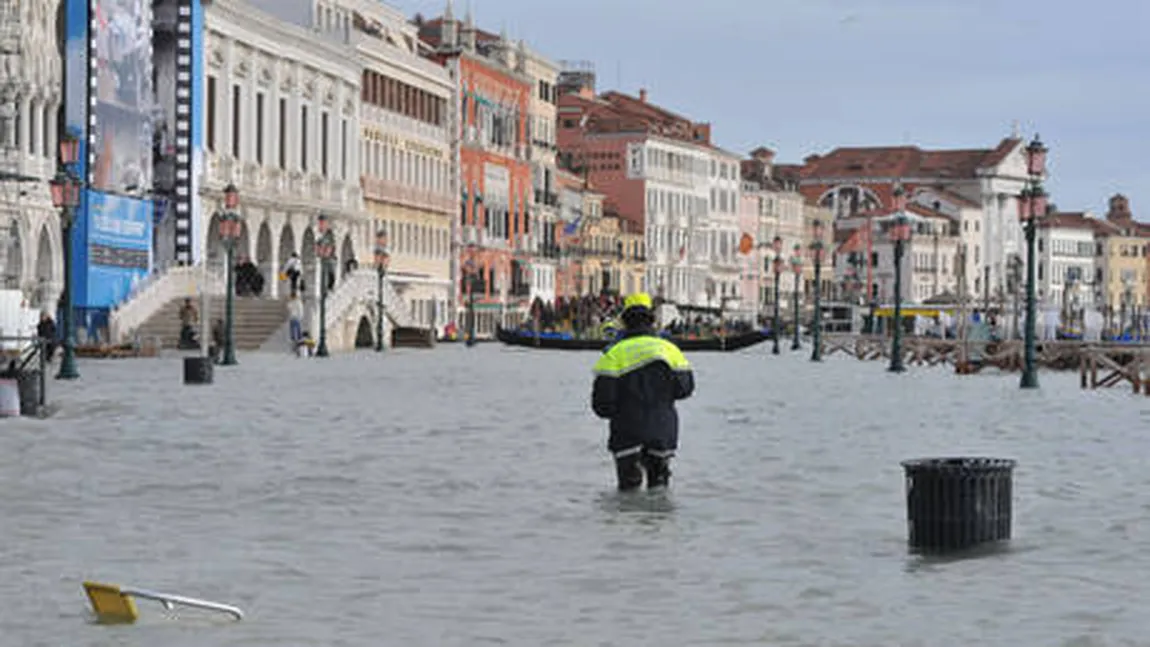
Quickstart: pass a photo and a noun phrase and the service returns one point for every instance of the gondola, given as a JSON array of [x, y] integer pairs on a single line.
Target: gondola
[[559, 341]]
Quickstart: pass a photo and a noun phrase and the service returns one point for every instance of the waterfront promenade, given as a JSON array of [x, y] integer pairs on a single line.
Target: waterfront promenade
[[463, 497]]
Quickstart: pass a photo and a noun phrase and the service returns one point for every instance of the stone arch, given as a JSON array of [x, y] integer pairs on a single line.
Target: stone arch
[[365, 333], [244, 244], [215, 246], [14, 265], [287, 247], [310, 266], [343, 335], [346, 255], [263, 253], [213, 250], [44, 268]]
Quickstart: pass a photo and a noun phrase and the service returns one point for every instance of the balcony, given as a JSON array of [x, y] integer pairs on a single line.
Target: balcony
[[397, 193], [404, 126], [278, 183]]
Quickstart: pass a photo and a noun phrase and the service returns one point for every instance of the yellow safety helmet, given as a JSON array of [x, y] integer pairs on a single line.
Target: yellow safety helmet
[[638, 300]]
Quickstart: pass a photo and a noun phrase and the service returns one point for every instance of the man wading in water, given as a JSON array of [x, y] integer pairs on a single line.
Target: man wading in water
[[637, 381]]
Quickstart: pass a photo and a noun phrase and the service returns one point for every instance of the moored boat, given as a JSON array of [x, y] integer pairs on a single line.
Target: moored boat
[[566, 341]]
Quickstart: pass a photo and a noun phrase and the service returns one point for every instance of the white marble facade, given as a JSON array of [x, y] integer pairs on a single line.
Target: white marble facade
[[31, 250], [281, 122]]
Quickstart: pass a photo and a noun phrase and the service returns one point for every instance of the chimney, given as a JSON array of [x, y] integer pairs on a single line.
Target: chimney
[[763, 154], [643, 95], [1119, 208]]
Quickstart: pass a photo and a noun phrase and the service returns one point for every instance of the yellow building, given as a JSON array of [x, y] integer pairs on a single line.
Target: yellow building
[[612, 256], [1121, 274], [1122, 268], [417, 221]]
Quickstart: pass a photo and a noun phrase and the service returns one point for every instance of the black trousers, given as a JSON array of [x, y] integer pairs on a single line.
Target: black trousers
[[631, 464]]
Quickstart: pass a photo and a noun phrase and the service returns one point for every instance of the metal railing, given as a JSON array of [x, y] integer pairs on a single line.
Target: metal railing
[[32, 353]]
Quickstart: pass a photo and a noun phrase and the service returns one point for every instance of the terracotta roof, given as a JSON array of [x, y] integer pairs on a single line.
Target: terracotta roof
[[792, 172], [905, 161], [1070, 220], [655, 119], [752, 171], [1121, 227], [601, 117], [429, 31]]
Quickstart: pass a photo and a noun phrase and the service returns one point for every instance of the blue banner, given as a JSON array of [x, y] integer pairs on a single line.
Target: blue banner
[[119, 247]]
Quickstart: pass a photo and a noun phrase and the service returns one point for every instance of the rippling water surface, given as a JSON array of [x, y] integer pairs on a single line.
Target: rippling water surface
[[462, 497]]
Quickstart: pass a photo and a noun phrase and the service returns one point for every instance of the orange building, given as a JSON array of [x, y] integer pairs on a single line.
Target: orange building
[[493, 237]]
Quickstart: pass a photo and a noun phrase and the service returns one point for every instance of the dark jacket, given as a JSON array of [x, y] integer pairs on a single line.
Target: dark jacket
[[637, 381]]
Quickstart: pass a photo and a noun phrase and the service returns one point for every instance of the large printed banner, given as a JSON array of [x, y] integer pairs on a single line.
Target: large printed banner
[[119, 247], [122, 96]]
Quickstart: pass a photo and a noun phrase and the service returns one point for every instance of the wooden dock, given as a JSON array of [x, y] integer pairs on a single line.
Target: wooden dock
[[1100, 365]]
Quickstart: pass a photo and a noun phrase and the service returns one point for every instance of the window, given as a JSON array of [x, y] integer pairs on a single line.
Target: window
[[260, 127], [343, 150], [210, 131], [303, 138], [283, 134], [323, 143], [236, 121]]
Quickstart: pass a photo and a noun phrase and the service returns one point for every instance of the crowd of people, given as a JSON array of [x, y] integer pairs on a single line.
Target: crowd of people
[[593, 316]]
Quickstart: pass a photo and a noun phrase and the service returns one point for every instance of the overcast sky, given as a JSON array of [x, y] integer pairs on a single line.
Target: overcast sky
[[805, 76]]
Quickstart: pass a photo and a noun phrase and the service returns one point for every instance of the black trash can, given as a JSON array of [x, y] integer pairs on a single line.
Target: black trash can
[[957, 503], [28, 383], [197, 370]]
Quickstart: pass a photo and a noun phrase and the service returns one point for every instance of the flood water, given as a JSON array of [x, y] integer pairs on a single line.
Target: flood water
[[464, 497]]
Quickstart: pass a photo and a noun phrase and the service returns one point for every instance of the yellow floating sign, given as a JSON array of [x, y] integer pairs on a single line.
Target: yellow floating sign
[[116, 605], [110, 605]]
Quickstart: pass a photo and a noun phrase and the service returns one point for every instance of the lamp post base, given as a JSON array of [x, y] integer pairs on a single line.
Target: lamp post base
[[68, 370], [1029, 380]]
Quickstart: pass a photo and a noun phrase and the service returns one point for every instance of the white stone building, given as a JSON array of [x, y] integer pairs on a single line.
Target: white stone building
[[677, 217], [930, 262], [281, 121], [854, 181], [720, 271], [1067, 261], [31, 242]]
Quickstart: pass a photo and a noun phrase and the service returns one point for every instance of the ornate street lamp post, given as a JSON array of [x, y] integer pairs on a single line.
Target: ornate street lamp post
[[817, 254], [382, 261], [469, 272], [777, 266], [325, 250], [230, 229], [66, 187], [900, 233], [797, 269], [1031, 207]]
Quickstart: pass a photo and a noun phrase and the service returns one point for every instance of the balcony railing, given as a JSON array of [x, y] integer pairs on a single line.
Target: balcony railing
[[397, 193]]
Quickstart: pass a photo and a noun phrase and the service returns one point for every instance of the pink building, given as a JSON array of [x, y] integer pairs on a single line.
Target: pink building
[[656, 168]]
